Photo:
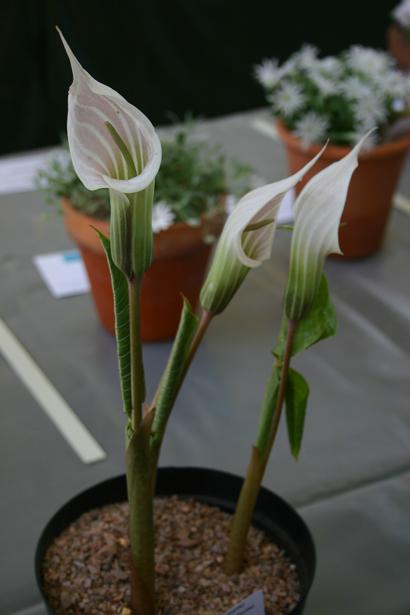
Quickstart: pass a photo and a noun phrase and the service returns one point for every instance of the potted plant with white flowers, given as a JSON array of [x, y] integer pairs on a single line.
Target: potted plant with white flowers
[[185, 554], [340, 97], [398, 34], [195, 187]]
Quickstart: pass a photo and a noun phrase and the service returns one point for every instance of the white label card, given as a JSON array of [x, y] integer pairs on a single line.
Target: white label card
[[253, 605], [63, 272]]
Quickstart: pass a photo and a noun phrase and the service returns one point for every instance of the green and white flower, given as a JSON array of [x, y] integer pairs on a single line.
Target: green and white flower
[[113, 145], [246, 240], [318, 210]]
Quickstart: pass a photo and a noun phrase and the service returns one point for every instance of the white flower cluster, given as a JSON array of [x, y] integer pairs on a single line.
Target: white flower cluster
[[401, 14], [162, 217], [335, 97]]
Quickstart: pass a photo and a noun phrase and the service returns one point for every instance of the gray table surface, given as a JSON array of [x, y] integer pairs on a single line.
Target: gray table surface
[[352, 483]]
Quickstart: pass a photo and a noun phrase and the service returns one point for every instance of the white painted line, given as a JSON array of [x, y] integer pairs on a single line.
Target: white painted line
[[266, 128], [401, 203], [56, 408]]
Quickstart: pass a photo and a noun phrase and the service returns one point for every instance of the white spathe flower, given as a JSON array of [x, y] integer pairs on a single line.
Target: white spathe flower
[[401, 14], [246, 240], [318, 210], [311, 128], [368, 61], [96, 157], [267, 73], [288, 98], [162, 217]]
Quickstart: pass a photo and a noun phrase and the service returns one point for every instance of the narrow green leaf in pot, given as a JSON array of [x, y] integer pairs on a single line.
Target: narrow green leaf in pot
[[122, 326], [297, 393], [174, 371], [268, 410], [318, 323]]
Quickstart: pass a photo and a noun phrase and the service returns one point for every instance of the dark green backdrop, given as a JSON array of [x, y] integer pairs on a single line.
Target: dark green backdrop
[[163, 55]]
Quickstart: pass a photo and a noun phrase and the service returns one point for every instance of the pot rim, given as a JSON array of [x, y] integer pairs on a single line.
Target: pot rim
[[333, 152]]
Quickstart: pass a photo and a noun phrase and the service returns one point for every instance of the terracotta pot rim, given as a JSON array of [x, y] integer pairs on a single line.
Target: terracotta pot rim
[[338, 151]]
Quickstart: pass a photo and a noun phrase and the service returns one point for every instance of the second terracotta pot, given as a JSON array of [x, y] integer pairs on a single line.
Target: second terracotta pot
[[179, 265], [370, 192]]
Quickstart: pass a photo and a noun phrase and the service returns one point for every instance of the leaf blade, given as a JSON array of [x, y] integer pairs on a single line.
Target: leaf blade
[[122, 325], [296, 398], [317, 324]]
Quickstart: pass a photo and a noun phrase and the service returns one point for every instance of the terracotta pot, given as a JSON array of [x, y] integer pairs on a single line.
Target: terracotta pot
[[280, 521], [179, 265], [399, 46], [370, 192]]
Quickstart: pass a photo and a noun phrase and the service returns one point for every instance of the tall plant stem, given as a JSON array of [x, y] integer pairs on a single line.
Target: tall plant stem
[[137, 370], [141, 524], [234, 558]]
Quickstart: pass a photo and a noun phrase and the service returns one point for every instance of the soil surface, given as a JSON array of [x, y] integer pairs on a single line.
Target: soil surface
[[85, 570]]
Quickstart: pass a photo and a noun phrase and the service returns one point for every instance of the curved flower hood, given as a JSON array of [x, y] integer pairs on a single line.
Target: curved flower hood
[[97, 160], [318, 210], [246, 240]]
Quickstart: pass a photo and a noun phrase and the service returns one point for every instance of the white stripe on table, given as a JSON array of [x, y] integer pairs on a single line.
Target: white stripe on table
[[50, 400], [401, 203], [266, 128]]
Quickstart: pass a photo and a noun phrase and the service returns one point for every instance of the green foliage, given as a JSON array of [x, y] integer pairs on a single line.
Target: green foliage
[[317, 324], [175, 370], [122, 325], [268, 409], [297, 393], [192, 177]]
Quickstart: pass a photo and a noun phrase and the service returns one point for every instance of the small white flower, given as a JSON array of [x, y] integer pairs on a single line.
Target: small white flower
[[401, 13], [331, 67], [398, 105], [368, 61], [307, 57], [324, 84], [369, 111], [268, 73], [311, 128], [162, 217], [354, 88], [288, 98], [394, 84]]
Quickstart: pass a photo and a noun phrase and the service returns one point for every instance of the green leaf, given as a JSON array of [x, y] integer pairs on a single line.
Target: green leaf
[[175, 369], [268, 408], [297, 393], [122, 326], [317, 324]]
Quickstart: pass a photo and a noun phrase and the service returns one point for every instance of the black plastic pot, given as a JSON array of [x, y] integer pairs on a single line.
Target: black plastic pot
[[277, 518]]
